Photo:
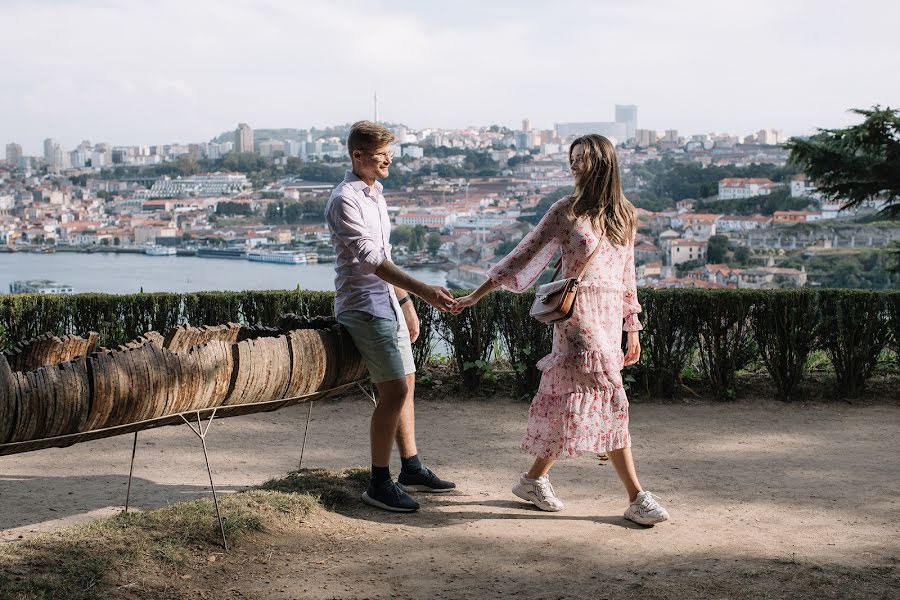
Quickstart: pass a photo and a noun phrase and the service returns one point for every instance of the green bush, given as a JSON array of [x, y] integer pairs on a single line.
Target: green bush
[[471, 334], [892, 300], [785, 324], [722, 324], [854, 330], [526, 339], [667, 339], [424, 346]]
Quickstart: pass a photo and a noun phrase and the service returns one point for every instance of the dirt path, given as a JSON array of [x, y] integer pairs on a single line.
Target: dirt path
[[766, 498]]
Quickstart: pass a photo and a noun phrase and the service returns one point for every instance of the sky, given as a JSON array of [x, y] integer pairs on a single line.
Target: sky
[[164, 71]]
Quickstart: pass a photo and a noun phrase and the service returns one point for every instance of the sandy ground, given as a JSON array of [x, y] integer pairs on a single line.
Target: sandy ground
[[765, 497]]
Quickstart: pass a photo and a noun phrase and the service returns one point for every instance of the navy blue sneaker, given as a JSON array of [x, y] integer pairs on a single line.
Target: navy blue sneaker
[[388, 496], [424, 481]]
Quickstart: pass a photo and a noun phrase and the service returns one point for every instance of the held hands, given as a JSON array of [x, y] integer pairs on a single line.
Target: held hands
[[440, 298], [465, 302], [633, 351]]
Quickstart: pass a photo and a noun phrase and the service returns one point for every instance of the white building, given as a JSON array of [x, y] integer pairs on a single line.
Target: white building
[[414, 151], [428, 219], [681, 251], [737, 188], [206, 186], [735, 223]]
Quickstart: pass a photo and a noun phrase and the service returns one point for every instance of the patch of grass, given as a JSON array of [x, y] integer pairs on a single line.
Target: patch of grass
[[88, 561], [333, 490]]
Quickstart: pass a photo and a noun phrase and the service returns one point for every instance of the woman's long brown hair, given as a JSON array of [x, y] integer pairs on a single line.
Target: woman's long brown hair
[[598, 193]]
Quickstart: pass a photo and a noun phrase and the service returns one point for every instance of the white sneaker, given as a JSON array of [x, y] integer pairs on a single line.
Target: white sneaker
[[645, 510], [539, 492]]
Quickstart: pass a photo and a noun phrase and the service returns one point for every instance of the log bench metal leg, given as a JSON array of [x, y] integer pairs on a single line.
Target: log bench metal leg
[[305, 433], [200, 432], [370, 393], [130, 473]]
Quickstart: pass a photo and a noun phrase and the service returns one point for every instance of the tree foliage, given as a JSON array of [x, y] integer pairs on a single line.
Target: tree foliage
[[232, 209], [779, 199], [292, 213], [858, 162], [433, 243], [717, 249], [661, 183]]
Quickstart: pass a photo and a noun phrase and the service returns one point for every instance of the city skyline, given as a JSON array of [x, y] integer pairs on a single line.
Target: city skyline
[[162, 73]]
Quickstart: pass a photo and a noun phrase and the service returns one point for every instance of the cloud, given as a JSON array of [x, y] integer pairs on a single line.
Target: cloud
[[165, 70]]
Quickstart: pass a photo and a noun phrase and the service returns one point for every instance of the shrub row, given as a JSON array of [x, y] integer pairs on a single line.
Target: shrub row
[[724, 330]]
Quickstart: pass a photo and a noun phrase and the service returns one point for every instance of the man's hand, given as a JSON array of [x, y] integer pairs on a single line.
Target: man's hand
[[439, 297], [434, 295], [633, 353], [412, 320]]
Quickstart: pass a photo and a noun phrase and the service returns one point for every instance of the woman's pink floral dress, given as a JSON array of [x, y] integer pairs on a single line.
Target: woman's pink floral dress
[[580, 405]]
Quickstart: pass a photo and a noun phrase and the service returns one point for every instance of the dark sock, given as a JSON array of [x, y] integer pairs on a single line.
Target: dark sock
[[380, 474], [411, 465]]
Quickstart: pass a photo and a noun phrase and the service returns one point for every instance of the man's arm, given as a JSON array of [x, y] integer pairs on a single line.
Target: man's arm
[[435, 295]]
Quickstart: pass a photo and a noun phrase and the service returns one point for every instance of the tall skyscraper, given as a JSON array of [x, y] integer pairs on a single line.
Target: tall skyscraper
[[54, 155], [243, 138], [526, 125], [13, 154], [627, 114], [49, 145]]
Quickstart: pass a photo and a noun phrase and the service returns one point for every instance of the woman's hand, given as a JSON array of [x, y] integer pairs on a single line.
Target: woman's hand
[[633, 352], [465, 302]]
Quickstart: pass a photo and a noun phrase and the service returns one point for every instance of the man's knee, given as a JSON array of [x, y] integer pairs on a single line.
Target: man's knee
[[393, 392]]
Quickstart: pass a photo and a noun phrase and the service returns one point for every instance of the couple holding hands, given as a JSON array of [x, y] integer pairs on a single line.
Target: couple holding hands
[[580, 405]]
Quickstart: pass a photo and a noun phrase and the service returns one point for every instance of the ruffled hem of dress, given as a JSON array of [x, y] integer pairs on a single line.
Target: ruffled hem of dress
[[550, 449], [589, 361]]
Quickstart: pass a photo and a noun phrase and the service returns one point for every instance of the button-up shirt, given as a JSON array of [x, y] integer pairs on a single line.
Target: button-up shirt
[[360, 229]]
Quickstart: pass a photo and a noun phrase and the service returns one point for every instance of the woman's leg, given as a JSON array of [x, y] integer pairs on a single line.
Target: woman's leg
[[644, 510], [535, 487], [540, 467], [624, 464]]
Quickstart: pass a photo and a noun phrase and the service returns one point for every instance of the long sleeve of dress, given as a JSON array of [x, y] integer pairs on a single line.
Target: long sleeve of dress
[[630, 305], [520, 269]]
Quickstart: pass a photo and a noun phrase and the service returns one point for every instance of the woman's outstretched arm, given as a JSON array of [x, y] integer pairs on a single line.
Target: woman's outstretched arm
[[520, 269]]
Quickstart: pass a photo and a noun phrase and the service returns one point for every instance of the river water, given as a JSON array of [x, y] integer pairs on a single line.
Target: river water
[[130, 273]]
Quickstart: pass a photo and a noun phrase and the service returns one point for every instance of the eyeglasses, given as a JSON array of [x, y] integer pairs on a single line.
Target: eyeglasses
[[389, 155]]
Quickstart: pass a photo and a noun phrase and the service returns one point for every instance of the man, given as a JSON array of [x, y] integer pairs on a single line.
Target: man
[[373, 303]]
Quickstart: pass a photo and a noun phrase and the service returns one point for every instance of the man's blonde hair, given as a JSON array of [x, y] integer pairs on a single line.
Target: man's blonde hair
[[366, 135]]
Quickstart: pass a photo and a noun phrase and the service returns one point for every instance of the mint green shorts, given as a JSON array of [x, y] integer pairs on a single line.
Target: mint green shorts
[[383, 343]]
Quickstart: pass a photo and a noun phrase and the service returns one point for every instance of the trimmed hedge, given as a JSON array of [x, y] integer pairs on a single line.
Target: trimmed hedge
[[854, 330], [785, 324], [121, 318], [667, 340], [526, 340], [726, 329], [471, 334]]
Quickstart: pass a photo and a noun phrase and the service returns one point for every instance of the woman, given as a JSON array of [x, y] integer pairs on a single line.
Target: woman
[[581, 405]]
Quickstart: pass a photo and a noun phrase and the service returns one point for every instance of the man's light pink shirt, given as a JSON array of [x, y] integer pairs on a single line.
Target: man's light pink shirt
[[360, 229]]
